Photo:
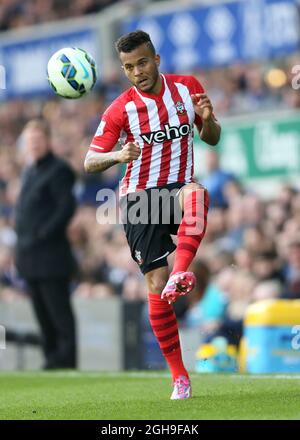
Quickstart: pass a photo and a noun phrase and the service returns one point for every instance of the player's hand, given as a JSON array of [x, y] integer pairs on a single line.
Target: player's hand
[[130, 151], [202, 106]]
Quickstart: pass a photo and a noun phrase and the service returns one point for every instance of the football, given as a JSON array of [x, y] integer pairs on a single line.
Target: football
[[71, 72]]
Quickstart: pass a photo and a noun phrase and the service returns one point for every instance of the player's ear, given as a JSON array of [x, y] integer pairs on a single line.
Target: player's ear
[[157, 60]]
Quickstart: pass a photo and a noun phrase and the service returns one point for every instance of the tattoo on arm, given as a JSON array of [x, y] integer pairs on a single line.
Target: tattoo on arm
[[94, 165], [97, 162]]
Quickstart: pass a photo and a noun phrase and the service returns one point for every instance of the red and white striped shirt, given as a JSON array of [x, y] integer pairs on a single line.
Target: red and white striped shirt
[[161, 124]]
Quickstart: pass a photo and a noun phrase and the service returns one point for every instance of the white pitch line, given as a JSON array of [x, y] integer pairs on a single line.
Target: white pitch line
[[265, 376], [86, 374], [145, 375]]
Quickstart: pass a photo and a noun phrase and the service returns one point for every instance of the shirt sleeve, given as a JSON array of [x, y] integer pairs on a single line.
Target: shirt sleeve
[[108, 131]]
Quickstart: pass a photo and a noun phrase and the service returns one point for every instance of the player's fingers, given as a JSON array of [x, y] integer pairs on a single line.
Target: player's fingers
[[206, 106], [206, 102], [202, 100], [134, 150], [135, 154], [195, 99], [132, 145]]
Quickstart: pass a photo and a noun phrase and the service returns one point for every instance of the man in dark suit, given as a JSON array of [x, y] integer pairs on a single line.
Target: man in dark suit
[[43, 254]]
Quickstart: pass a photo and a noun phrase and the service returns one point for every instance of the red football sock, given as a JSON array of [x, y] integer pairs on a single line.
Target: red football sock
[[191, 229], [164, 325]]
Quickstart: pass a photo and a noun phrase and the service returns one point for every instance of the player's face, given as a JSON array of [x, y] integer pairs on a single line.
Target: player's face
[[141, 68], [37, 144]]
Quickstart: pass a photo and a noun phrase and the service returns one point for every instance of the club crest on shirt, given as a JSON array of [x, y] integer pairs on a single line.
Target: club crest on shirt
[[180, 107], [138, 257]]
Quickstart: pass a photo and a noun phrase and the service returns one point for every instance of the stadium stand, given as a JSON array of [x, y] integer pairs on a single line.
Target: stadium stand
[[18, 13]]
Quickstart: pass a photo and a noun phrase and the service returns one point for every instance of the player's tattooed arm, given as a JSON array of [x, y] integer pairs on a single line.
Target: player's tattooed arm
[[97, 162]]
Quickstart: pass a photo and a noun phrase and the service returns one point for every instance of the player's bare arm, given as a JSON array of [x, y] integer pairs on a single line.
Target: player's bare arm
[[211, 130], [97, 162]]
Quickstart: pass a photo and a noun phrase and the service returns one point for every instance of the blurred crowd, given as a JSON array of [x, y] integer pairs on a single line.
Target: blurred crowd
[[245, 88], [251, 252], [19, 13]]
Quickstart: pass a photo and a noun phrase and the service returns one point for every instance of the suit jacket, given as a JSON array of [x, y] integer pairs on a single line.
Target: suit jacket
[[43, 211]]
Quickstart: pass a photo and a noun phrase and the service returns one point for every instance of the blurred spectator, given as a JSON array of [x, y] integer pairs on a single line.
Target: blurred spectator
[[292, 270], [267, 290], [265, 267], [20, 13], [43, 256], [185, 304], [239, 294], [208, 304], [216, 179]]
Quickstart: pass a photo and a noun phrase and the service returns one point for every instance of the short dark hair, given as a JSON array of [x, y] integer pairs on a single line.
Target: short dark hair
[[132, 40]]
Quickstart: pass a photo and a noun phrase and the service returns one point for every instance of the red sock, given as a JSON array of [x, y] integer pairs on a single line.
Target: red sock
[[191, 229], [164, 325]]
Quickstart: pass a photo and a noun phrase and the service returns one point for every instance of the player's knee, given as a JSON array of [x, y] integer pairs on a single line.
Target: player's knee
[[202, 192], [192, 187], [159, 285], [156, 283]]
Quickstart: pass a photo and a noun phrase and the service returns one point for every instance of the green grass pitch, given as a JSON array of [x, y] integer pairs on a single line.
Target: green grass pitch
[[145, 396]]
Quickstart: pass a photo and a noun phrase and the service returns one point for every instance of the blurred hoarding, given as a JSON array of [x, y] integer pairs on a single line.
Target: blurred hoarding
[[266, 147], [99, 334], [259, 148], [220, 34], [25, 59]]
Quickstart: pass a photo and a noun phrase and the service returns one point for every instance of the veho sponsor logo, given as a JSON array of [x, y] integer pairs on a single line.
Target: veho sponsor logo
[[168, 134]]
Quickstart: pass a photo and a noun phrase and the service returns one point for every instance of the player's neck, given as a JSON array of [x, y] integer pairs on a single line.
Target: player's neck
[[157, 86], [156, 91]]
